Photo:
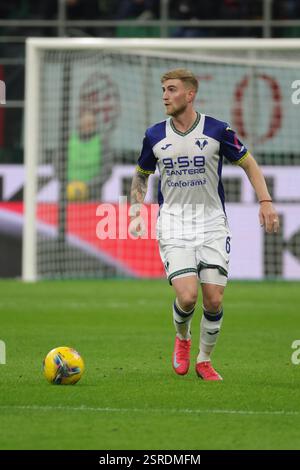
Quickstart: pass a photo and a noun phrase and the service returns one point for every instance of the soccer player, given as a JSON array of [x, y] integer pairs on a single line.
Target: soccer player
[[192, 228]]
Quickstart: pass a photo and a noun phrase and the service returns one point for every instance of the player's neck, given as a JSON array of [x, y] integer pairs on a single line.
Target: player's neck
[[185, 121]]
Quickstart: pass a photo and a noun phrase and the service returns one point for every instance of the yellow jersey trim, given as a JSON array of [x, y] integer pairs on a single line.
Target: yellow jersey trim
[[238, 162], [144, 172]]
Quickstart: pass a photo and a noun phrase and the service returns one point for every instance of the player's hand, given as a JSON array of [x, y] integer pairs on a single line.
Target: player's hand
[[137, 227], [268, 217]]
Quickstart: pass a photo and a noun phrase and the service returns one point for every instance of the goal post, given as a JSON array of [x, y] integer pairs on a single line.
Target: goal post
[[31, 161], [87, 104]]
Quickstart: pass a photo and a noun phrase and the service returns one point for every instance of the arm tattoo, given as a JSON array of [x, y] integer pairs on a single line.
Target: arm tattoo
[[138, 188]]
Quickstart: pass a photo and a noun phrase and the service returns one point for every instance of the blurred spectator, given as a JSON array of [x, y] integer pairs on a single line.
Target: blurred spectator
[[84, 158], [75, 10], [286, 10], [90, 157], [14, 9], [141, 9], [191, 10], [216, 10], [241, 10]]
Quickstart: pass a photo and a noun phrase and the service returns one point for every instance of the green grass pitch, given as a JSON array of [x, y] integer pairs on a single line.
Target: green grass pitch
[[129, 397]]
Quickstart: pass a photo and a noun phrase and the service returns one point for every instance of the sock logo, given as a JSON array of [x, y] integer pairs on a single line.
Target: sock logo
[[211, 333]]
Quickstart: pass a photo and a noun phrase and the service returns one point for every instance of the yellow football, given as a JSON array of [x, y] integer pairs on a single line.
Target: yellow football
[[63, 366], [77, 191]]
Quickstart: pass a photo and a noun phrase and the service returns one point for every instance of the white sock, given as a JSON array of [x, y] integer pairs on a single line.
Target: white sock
[[210, 329], [182, 321]]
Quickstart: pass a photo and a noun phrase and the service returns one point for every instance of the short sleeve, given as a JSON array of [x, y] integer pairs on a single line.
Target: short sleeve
[[231, 147], [147, 160]]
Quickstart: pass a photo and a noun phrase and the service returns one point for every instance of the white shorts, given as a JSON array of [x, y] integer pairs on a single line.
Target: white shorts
[[209, 260]]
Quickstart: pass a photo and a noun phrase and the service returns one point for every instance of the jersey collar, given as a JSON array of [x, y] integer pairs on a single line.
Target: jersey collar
[[189, 130]]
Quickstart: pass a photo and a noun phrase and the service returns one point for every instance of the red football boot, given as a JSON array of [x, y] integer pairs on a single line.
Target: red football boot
[[181, 356], [205, 371]]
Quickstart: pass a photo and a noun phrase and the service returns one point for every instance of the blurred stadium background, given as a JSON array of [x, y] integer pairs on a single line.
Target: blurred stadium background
[[94, 94]]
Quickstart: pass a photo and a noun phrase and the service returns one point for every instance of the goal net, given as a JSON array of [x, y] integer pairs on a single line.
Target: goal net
[[88, 104]]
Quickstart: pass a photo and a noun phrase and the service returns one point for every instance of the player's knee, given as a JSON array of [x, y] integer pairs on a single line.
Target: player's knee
[[213, 303], [188, 299]]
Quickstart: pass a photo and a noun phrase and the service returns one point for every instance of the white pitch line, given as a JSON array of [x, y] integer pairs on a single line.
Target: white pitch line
[[151, 410]]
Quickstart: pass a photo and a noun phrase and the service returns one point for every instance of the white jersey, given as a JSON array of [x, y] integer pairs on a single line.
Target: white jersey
[[190, 189]]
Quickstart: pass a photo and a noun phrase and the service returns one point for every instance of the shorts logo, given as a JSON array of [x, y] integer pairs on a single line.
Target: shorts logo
[[167, 264]]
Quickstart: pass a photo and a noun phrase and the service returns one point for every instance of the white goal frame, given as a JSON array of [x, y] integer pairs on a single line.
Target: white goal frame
[[34, 47]]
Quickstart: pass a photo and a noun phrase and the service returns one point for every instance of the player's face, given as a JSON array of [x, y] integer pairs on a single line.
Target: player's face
[[176, 96]]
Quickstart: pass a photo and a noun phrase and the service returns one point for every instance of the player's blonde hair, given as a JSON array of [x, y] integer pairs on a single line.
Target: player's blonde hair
[[185, 75]]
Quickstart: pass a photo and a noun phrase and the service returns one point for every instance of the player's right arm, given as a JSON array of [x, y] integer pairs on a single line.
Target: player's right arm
[[146, 166], [138, 193], [139, 187]]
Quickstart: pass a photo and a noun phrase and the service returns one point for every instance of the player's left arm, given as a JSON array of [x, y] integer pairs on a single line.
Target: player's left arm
[[268, 216]]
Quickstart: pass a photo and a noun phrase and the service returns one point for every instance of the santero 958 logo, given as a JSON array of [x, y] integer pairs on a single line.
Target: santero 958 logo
[[182, 165]]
